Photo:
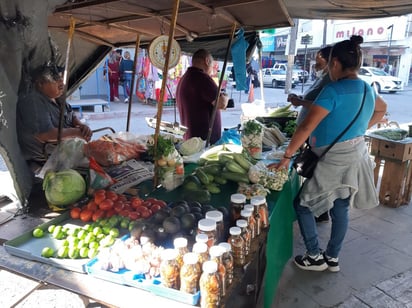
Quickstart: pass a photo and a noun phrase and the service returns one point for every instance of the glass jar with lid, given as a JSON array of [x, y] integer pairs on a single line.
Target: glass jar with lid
[[237, 201], [237, 243], [201, 238], [210, 286], [258, 219], [263, 209], [190, 273], [217, 216], [248, 216], [169, 269], [202, 250], [180, 244], [216, 253], [227, 260], [208, 227], [242, 224]]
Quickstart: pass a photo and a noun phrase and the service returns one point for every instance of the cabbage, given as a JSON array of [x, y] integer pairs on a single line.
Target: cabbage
[[64, 187], [191, 146]]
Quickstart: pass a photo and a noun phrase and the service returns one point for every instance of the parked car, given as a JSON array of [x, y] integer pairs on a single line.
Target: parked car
[[382, 81], [276, 78], [302, 75]]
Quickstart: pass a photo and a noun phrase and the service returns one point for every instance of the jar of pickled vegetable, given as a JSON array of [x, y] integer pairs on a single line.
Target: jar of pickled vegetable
[[217, 216], [237, 243], [227, 260], [258, 219], [180, 244], [202, 251], [237, 202], [248, 216], [169, 269], [263, 209], [242, 224], [216, 253], [208, 227], [190, 273], [210, 286], [201, 238]]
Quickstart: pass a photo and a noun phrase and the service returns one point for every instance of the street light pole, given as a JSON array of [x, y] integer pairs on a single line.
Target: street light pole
[[304, 65], [389, 47]]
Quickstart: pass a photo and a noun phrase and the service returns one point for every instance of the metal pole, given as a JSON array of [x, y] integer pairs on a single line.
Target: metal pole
[[389, 46], [304, 66], [129, 109]]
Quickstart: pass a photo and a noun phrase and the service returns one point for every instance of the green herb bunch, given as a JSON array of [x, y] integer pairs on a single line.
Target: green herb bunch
[[252, 127], [165, 146]]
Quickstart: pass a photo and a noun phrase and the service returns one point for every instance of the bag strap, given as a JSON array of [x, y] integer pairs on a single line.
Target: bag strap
[[350, 124]]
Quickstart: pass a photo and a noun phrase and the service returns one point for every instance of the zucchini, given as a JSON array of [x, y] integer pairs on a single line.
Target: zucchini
[[213, 189], [202, 176], [202, 195], [235, 167], [242, 161], [236, 177], [220, 180], [212, 169]]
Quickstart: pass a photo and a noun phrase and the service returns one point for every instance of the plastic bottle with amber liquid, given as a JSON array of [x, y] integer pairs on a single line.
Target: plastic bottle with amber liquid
[[180, 244], [237, 202], [210, 286], [169, 269], [237, 243], [247, 214], [190, 273], [202, 251], [228, 262], [246, 234], [217, 216], [263, 209], [258, 220], [216, 253], [208, 227]]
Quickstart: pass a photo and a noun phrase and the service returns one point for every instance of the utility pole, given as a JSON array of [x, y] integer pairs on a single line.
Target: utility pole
[[389, 47], [305, 40], [291, 54]]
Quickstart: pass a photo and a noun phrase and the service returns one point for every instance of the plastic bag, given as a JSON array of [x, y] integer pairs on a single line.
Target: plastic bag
[[98, 178], [230, 136]]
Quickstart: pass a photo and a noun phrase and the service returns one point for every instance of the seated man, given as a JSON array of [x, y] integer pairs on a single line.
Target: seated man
[[38, 115]]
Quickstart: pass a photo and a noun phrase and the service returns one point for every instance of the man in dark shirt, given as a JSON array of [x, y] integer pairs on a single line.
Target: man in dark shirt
[[195, 97], [38, 115]]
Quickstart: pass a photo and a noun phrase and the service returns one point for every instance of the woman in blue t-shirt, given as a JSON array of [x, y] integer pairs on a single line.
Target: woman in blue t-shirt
[[344, 175]]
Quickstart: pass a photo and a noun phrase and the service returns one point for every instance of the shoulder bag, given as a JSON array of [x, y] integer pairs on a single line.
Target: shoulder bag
[[306, 161]]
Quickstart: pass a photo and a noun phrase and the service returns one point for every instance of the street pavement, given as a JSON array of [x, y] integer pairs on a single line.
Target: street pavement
[[376, 259]]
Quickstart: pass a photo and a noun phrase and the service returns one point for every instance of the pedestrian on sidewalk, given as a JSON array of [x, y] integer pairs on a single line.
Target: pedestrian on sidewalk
[[343, 177], [111, 69], [126, 73]]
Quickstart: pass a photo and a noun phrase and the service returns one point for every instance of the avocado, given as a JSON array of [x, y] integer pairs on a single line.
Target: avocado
[[171, 225], [188, 221], [207, 208], [160, 216], [195, 210], [194, 204], [178, 211]]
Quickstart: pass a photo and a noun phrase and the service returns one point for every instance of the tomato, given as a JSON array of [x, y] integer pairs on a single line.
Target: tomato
[[75, 213], [110, 213], [99, 197], [111, 195], [86, 215], [135, 202], [98, 215], [122, 198], [106, 205], [180, 169], [118, 206], [160, 202], [124, 213], [155, 208], [147, 204], [91, 205], [134, 215], [146, 213], [140, 209]]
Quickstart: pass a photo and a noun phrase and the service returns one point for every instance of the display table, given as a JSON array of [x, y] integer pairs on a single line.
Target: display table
[[395, 159], [273, 251]]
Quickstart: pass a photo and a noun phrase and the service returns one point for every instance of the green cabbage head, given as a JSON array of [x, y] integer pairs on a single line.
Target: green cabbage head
[[64, 187]]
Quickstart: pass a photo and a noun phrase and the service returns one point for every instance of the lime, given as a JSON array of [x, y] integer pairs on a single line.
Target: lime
[[82, 234], [47, 252], [50, 229], [124, 223], [93, 245], [73, 231], [73, 253], [81, 243], [89, 238], [37, 232], [92, 252], [97, 230], [88, 227], [65, 242], [84, 252], [63, 252], [114, 232]]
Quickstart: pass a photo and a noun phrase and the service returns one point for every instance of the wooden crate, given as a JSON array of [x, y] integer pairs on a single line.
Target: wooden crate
[[391, 149]]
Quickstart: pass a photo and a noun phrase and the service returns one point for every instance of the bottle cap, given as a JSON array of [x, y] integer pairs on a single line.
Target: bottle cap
[[245, 213], [226, 246], [190, 258], [241, 223], [238, 198], [169, 254], [209, 267], [216, 251], [199, 248], [235, 231], [257, 200], [248, 207], [214, 215], [201, 238], [207, 224], [180, 242]]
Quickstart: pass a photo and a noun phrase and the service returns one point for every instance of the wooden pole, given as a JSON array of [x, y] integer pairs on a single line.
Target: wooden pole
[[212, 120], [164, 80], [129, 109], [66, 69]]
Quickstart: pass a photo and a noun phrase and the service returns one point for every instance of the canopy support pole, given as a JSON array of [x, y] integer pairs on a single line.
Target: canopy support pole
[[66, 69], [163, 88], [212, 120], [129, 109]]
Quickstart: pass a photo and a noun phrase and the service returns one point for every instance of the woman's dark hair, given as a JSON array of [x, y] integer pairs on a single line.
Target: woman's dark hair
[[348, 52], [325, 52]]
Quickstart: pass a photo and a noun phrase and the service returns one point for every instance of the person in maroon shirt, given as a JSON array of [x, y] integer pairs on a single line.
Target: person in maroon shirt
[[195, 96]]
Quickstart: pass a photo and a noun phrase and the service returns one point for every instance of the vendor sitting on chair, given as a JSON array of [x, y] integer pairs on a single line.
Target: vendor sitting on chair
[[38, 115]]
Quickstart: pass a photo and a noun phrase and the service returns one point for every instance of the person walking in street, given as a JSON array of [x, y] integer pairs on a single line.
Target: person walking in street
[[111, 69], [126, 73], [343, 177]]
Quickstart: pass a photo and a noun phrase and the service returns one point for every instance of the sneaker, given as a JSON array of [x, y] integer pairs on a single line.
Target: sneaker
[[311, 263], [116, 99], [126, 100], [323, 217], [333, 263]]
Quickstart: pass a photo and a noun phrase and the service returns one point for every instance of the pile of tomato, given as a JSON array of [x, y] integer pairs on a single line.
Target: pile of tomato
[[107, 203]]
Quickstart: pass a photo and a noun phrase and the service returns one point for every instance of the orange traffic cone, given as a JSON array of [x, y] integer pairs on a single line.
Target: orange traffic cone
[[251, 97]]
